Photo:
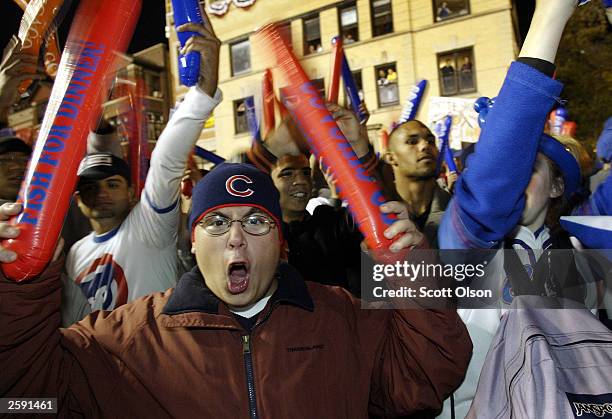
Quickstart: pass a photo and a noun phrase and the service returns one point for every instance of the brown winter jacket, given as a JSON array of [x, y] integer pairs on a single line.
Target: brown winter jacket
[[312, 354]]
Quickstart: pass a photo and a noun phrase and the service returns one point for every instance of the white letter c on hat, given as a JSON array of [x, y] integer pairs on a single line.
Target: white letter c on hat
[[231, 189]]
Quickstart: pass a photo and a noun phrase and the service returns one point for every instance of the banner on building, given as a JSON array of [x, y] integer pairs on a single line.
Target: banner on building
[[465, 119]]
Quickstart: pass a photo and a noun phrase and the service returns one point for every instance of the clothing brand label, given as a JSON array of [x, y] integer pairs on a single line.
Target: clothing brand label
[[591, 406]]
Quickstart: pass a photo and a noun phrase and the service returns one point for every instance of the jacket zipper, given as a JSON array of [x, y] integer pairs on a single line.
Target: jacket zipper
[[248, 366]]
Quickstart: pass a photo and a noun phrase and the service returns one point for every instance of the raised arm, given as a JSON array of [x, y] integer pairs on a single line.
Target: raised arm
[[158, 214], [489, 196]]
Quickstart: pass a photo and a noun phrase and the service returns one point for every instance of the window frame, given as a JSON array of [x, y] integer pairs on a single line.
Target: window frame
[[231, 45], [456, 54], [235, 115], [372, 19], [305, 42], [452, 16], [346, 6], [376, 70]]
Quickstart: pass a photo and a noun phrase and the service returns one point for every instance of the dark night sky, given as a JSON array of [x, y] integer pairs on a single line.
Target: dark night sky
[[150, 29]]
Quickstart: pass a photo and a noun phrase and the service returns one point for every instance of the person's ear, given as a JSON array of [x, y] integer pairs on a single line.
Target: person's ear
[[389, 158], [193, 248], [132, 195], [557, 188]]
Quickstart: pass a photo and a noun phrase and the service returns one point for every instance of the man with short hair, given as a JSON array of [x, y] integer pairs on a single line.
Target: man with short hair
[[328, 235], [413, 156], [241, 335]]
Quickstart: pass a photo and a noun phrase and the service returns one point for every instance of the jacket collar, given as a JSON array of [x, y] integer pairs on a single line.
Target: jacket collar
[[191, 295], [439, 202]]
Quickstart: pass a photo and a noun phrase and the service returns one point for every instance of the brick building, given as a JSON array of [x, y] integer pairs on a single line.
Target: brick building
[[462, 47]]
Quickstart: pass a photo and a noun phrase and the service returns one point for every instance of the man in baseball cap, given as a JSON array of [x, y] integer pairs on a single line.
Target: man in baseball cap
[[104, 191], [14, 157]]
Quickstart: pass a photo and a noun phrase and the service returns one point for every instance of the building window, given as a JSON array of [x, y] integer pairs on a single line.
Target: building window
[[240, 116], [444, 10], [312, 35], [349, 26], [382, 17], [359, 83], [240, 53], [386, 82], [457, 72]]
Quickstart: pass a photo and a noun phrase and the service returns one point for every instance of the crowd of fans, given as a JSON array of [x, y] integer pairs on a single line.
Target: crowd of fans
[[242, 300]]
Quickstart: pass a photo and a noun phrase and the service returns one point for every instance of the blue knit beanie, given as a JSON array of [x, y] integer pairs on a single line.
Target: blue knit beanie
[[235, 184]]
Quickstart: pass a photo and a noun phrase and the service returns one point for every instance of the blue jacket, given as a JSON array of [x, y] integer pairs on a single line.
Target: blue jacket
[[489, 196]]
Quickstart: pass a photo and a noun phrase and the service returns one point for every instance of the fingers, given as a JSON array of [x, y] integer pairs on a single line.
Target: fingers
[[406, 241], [408, 235], [7, 256], [199, 43], [395, 207], [8, 231], [407, 231], [337, 111], [8, 210], [400, 227], [205, 31]]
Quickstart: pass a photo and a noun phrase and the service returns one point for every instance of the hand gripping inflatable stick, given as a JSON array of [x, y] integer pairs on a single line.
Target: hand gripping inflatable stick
[[187, 11], [100, 27], [326, 140]]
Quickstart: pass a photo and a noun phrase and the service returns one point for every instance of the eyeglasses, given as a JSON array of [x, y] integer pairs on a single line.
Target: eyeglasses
[[9, 158], [254, 224]]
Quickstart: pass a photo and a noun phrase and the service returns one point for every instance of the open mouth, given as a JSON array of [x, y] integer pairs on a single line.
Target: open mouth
[[237, 277]]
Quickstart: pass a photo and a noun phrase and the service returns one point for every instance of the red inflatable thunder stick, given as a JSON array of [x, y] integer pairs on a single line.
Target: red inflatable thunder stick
[[268, 121], [335, 70], [100, 28], [326, 140]]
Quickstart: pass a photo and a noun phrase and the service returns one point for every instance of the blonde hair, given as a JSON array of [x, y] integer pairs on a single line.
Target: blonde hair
[[579, 152]]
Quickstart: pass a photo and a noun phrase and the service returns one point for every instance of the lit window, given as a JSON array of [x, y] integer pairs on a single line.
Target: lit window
[[448, 9], [349, 26], [312, 35], [457, 73], [386, 83]]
